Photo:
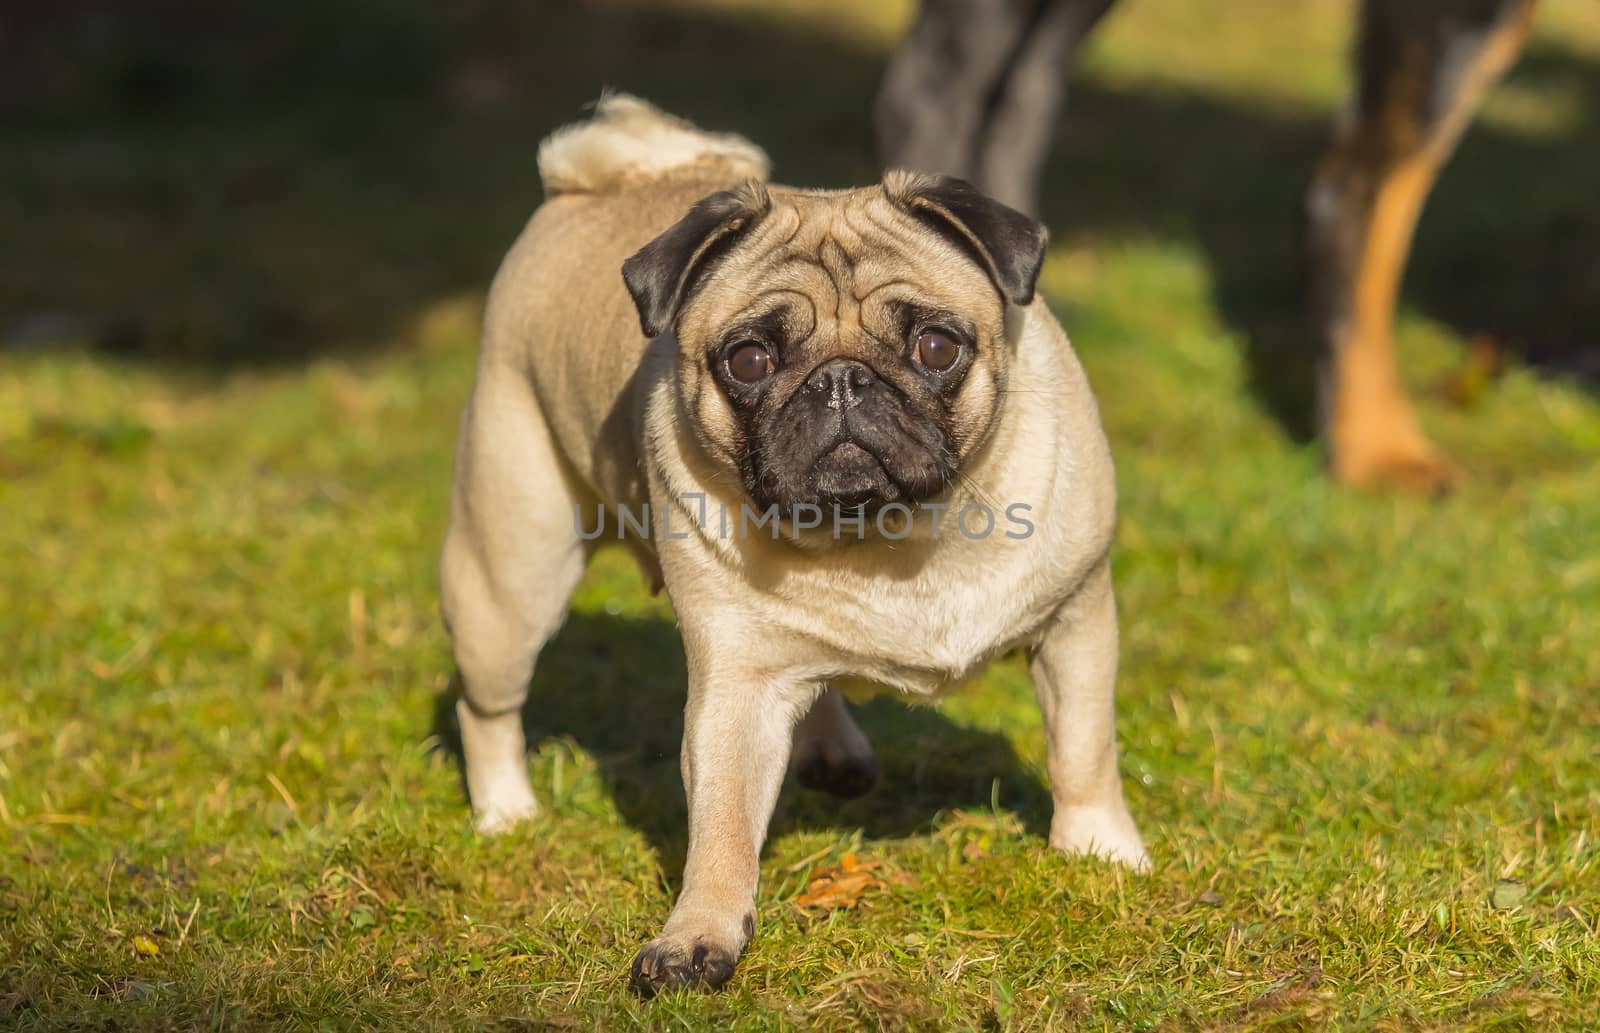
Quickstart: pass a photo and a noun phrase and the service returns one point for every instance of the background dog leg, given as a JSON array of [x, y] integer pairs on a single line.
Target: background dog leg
[[735, 749], [511, 557], [1021, 115], [974, 87], [1423, 68], [831, 752], [1074, 675]]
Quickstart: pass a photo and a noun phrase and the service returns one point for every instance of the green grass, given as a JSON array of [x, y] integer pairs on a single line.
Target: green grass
[[1359, 733]]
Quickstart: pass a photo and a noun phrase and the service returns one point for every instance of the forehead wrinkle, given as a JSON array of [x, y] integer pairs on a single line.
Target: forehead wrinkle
[[856, 219], [897, 245], [756, 309], [784, 222], [841, 270], [804, 274], [900, 228], [864, 296], [900, 273], [767, 293], [795, 304], [765, 244], [798, 267]]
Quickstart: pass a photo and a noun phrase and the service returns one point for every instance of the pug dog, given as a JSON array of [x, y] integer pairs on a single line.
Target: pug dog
[[842, 431]]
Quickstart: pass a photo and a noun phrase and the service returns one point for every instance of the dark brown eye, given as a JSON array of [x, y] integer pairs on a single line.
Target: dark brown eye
[[937, 350], [749, 363]]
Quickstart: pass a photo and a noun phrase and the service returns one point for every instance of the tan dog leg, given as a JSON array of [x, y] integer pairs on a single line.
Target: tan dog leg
[[735, 749], [831, 753], [1423, 69], [1074, 675], [511, 557]]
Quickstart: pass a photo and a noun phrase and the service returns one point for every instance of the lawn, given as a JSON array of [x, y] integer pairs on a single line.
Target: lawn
[[241, 265]]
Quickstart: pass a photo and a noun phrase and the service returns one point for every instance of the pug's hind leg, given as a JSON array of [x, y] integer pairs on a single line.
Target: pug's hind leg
[[1074, 675], [831, 752], [511, 558]]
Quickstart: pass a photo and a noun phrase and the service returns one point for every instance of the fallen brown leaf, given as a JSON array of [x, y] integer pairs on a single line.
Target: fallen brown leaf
[[844, 885]]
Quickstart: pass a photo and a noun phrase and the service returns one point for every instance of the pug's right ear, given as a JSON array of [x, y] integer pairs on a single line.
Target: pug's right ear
[[661, 274]]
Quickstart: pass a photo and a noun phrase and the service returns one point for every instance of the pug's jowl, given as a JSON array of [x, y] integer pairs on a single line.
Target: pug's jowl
[[672, 331]]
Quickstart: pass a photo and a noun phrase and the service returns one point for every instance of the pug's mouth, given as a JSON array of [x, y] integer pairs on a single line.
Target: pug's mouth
[[848, 477], [847, 464]]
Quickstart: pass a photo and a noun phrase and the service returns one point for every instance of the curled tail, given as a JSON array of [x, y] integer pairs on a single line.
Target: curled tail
[[629, 139]]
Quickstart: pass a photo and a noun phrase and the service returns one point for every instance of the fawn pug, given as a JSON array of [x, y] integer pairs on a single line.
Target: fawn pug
[[871, 361]]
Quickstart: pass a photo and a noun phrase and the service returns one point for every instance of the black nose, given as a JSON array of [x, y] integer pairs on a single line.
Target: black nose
[[842, 382]]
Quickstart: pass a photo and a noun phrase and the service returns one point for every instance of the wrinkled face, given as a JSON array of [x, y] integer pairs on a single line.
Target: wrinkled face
[[844, 350]]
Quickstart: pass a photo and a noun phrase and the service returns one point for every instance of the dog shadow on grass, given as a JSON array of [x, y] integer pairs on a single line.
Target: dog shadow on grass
[[615, 686]]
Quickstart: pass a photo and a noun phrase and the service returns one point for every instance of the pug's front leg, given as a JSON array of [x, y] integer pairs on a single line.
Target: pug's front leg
[[1074, 675], [736, 736]]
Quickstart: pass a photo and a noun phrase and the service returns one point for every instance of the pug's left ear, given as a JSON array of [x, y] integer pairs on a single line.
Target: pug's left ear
[[661, 274], [1008, 244]]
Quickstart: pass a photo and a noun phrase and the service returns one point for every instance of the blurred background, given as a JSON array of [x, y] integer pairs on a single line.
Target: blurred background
[[237, 183]]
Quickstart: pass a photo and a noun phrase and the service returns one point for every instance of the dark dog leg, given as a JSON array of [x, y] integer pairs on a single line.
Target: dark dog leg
[[1423, 67], [973, 90]]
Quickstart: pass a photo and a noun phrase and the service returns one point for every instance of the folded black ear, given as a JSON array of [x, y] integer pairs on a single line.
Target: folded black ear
[[1007, 243], [660, 274]]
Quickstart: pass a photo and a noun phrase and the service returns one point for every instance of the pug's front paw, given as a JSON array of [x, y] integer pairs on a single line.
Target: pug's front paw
[[504, 801], [1105, 832], [506, 815], [668, 961]]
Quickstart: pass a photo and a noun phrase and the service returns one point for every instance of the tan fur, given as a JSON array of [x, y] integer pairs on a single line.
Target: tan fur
[[572, 406]]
